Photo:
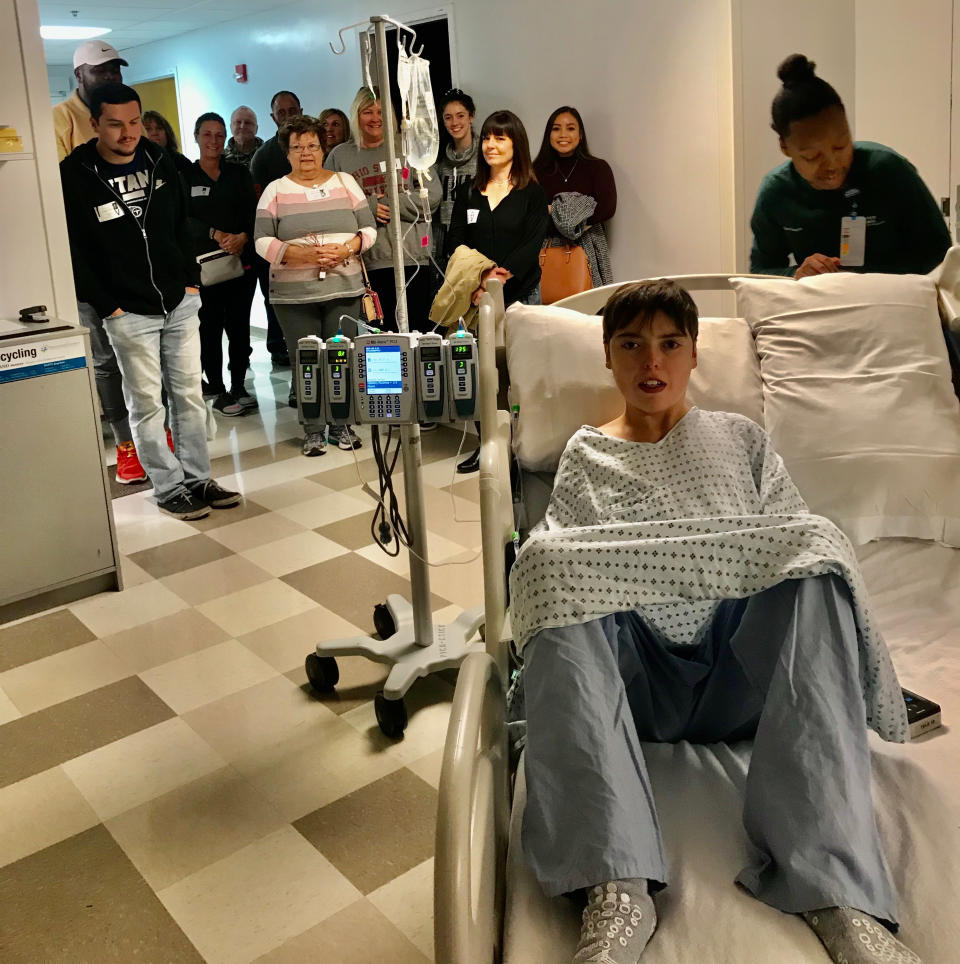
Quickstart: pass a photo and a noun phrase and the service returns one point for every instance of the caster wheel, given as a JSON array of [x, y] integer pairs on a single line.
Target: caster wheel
[[383, 621], [323, 672], [391, 716]]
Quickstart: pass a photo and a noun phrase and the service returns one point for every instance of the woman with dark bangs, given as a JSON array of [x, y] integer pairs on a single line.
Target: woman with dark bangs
[[503, 212]]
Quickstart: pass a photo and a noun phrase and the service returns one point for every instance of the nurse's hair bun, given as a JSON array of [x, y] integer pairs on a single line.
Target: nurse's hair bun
[[795, 70]]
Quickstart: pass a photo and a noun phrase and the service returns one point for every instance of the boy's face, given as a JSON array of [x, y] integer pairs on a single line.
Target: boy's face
[[651, 364]]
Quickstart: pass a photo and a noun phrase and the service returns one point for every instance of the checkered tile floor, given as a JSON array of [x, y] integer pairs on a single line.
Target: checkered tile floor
[[170, 788]]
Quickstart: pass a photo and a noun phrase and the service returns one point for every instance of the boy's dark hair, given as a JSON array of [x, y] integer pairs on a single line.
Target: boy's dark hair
[[802, 95], [282, 93], [643, 299], [504, 123], [111, 94], [208, 116]]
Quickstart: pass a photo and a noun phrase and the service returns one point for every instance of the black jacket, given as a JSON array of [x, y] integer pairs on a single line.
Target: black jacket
[[268, 164], [227, 204], [511, 234], [116, 264]]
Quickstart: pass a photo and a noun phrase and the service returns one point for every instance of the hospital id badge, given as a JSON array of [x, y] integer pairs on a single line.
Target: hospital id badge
[[316, 193], [853, 241]]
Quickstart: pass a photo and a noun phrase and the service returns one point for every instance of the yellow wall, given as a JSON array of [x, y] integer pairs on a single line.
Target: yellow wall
[[161, 95]]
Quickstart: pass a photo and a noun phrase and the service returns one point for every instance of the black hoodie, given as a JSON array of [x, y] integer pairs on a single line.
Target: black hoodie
[[116, 263]]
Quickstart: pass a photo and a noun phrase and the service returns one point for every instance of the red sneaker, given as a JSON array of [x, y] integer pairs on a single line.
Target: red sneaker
[[170, 441], [129, 469]]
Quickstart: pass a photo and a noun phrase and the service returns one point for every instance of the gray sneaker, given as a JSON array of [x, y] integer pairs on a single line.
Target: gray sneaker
[[618, 922], [344, 437], [244, 399], [225, 404], [314, 444]]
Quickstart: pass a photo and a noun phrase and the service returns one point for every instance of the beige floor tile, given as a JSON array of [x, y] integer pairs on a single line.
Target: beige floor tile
[[249, 533], [469, 490], [352, 532], [134, 535], [164, 639], [247, 509], [132, 574], [39, 811], [428, 711], [40, 636], [62, 676], [439, 549], [112, 612], [289, 493], [326, 509], [308, 771], [50, 737], [295, 552], [258, 898], [81, 900], [460, 580], [360, 679], [285, 645], [266, 476], [194, 826], [171, 557], [408, 902], [359, 934], [458, 519], [207, 675], [401, 805], [128, 772], [215, 579], [345, 477], [8, 711], [259, 717], [243, 612], [428, 768]]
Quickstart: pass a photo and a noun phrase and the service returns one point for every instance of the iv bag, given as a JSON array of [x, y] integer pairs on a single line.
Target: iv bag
[[421, 135]]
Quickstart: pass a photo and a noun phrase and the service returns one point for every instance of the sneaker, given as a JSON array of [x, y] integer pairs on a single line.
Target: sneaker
[[344, 437], [129, 469], [226, 405], [185, 506], [618, 922], [470, 464], [244, 399], [209, 391], [170, 441], [314, 444], [428, 426], [213, 494], [292, 398]]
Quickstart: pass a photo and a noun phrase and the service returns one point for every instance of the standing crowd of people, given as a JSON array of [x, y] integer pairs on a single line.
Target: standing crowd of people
[[304, 214]]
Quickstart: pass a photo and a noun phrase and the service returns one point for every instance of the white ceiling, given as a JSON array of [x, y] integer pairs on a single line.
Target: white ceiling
[[136, 22]]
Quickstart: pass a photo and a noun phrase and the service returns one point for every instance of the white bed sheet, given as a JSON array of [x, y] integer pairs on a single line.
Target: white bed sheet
[[704, 917]]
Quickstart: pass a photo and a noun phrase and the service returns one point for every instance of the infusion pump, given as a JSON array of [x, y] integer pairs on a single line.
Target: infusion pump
[[388, 378]]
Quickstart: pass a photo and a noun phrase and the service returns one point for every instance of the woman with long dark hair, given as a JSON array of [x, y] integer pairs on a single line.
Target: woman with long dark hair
[[457, 164], [159, 130], [838, 204], [565, 166]]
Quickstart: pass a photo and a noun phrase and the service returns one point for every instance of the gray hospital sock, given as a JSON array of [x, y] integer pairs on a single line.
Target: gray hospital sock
[[618, 921], [853, 937]]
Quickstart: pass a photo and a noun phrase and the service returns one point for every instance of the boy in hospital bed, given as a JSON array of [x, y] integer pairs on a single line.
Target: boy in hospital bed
[[679, 589]]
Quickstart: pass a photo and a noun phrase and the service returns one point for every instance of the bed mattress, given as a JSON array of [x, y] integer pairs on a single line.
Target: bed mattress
[[703, 916]]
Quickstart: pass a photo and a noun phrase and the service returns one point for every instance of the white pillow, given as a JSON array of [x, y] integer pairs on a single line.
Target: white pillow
[[560, 381], [858, 400]]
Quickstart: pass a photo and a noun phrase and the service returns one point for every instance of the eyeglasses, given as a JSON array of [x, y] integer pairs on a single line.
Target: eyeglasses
[[305, 149]]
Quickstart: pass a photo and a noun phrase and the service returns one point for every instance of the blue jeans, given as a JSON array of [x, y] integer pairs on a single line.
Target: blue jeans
[[782, 665], [155, 352]]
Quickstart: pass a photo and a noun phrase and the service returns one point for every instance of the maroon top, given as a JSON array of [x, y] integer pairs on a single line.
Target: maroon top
[[585, 175]]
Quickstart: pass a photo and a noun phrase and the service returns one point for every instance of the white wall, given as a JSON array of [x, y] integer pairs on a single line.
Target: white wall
[[651, 79], [765, 32], [61, 80], [903, 54]]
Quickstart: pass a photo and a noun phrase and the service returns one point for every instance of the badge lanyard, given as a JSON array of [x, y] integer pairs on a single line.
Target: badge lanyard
[[853, 234]]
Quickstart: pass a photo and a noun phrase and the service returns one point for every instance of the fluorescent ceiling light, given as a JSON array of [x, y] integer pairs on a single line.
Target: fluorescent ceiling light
[[72, 33]]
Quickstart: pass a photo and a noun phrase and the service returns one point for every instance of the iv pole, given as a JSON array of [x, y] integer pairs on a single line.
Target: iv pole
[[416, 648]]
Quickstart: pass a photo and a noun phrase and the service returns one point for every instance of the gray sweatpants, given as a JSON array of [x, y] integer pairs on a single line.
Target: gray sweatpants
[[323, 319], [782, 665]]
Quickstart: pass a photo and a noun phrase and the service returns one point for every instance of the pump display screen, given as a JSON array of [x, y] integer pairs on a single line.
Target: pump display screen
[[463, 351], [337, 356], [308, 357], [383, 370], [430, 354]]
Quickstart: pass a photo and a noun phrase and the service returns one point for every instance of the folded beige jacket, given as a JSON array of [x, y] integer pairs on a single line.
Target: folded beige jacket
[[464, 275]]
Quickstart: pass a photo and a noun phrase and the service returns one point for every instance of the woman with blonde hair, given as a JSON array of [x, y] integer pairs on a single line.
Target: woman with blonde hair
[[362, 157]]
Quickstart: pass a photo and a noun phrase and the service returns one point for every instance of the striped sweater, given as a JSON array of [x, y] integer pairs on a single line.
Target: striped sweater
[[289, 213]]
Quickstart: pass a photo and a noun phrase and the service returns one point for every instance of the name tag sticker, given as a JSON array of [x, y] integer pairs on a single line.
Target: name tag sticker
[[199, 190], [472, 215], [108, 211], [853, 241], [316, 193]]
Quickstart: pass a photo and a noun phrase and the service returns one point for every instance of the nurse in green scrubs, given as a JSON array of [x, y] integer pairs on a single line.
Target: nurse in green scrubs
[[838, 204]]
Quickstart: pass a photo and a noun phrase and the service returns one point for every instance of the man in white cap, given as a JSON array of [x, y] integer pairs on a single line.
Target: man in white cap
[[95, 63]]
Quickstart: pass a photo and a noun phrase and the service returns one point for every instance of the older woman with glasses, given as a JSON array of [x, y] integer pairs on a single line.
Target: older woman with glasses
[[311, 226]]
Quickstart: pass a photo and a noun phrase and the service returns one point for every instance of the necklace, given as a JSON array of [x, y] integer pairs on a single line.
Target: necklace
[[572, 169]]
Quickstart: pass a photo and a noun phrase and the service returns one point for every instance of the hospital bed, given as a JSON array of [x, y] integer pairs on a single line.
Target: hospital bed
[[489, 907]]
